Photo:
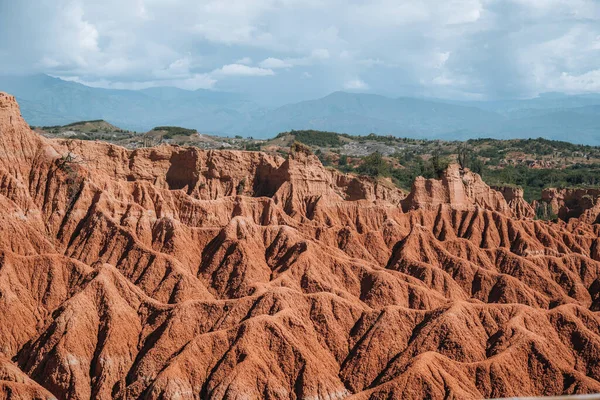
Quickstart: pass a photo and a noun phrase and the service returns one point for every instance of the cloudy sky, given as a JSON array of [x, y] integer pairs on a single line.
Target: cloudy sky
[[297, 49]]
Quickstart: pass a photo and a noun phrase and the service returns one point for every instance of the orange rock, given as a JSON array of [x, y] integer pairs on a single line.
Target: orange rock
[[177, 273], [574, 203], [516, 202], [460, 189]]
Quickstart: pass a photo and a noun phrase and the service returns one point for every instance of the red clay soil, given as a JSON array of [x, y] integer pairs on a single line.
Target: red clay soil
[[177, 273]]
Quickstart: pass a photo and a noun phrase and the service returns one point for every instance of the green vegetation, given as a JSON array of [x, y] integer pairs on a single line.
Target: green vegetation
[[343, 160], [499, 162], [241, 186], [93, 121], [544, 212], [531, 180], [534, 180], [252, 147], [298, 147], [533, 164], [315, 138], [72, 124], [374, 165], [173, 131]]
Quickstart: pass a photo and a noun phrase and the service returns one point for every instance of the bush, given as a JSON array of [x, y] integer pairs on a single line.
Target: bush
[[252, 147], [374, 165], [317, 138], [173, 131], [241, 186]]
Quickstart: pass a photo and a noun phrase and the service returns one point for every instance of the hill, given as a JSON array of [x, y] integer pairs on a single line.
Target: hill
[[86, 130], [97, 125], [364, 113], [51, 101]]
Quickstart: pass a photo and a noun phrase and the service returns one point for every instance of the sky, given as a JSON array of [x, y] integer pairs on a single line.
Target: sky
[[296, 49]]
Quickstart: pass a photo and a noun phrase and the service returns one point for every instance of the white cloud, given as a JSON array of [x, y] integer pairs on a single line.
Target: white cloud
[[488, 48], [587, 82], [274, 63], [440, 59], [443, 81], [242, 70], [320, 54], [219, 32], [355, 84], [245, 61], [193, 82], [370, 62]]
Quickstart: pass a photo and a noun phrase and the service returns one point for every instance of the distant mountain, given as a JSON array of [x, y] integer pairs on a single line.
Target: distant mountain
[[545, 101], [554, 116], [578, 125], [50, 101], [367, 113]]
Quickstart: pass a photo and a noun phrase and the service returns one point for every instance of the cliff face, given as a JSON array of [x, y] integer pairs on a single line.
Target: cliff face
[[516, 202], [176, 273], [574, 203], [459, 189]]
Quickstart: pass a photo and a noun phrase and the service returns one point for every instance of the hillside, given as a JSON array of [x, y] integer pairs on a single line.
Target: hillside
[[50, 101], [174, 272], [87, 126], [364, 113], [86, 130]]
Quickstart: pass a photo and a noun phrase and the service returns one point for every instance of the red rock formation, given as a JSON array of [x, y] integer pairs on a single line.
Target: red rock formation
[[516, 202], [574, 203], [176, 273], [460, 189]]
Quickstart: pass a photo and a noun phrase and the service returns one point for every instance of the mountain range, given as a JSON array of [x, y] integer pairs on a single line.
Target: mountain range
[[47, 100]]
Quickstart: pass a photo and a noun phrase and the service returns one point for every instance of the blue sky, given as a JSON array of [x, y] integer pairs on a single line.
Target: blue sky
[[297, 49]]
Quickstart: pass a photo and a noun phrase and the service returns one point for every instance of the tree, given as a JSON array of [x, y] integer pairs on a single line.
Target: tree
[[477, 166], [374, 165], [464, 155], [437, 165]]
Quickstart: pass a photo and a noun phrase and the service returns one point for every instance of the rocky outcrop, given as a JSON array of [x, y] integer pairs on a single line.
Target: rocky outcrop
[[14, 384], [573, 203], [177, 273], [460, 189], [514, 197]]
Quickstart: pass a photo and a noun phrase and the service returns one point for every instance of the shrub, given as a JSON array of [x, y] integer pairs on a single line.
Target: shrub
[[374, 165]]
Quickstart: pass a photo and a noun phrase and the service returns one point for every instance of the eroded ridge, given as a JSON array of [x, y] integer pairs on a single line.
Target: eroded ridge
[[177, 273]]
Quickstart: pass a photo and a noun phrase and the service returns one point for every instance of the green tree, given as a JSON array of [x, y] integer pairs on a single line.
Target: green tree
[[374, 165]]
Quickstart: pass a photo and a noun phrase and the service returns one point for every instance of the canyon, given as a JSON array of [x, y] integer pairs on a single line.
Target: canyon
[[178, 273]]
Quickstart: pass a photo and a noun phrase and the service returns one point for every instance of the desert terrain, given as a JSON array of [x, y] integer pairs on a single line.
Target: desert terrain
[[173, 272]]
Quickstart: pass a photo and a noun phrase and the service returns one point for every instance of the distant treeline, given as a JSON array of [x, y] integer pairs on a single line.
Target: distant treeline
[[534, 180], [333, 139], [173, 131]]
